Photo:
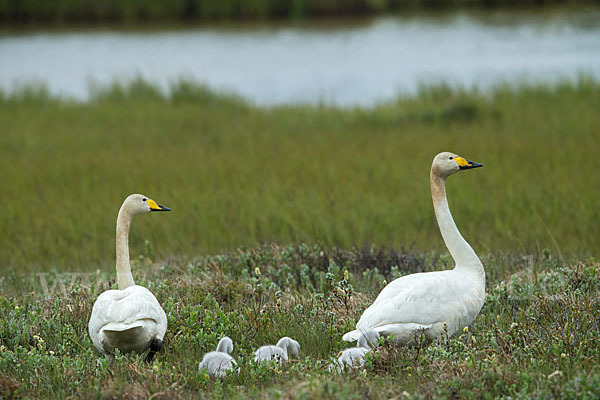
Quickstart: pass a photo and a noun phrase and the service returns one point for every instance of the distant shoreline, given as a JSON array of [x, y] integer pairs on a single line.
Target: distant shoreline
[[56, 13]]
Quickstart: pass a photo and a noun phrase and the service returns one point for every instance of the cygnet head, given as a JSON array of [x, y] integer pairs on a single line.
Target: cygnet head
[[225, 345], [138, 203], [446, 163], [292, 347], [368, 338]]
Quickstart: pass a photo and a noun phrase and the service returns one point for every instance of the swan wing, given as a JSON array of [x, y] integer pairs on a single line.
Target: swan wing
[[126, 310], [417, 302]]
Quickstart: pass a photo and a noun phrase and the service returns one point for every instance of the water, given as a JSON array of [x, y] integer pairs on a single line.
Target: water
[[359, 63]]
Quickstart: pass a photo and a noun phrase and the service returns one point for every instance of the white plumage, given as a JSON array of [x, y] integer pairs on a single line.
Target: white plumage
[[285, 348], [217, 363], [355, 356], [432, 303], [130, 319], [127, 319]]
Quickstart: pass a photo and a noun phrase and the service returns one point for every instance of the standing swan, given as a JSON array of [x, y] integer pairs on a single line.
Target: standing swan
[[130, 319], [432, 303]]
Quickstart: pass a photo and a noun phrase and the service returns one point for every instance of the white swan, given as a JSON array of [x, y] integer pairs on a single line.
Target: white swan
[[130, 319], [432, 303], [285, 348], [217, 363], [355, 356]]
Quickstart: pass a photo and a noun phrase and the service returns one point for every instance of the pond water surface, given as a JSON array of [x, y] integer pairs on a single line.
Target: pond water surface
[[343, 63]]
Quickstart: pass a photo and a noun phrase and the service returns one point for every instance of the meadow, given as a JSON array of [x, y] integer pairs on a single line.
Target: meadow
[[270, 207]]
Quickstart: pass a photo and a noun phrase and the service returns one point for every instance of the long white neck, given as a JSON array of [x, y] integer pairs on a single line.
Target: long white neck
[[124, 276], [462, 253]]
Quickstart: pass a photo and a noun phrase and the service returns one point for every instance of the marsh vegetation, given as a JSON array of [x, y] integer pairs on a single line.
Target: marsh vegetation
[[270, 208]]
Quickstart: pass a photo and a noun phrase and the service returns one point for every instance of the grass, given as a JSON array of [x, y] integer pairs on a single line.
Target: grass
[[536, 337], [237, 175], [270, 207]]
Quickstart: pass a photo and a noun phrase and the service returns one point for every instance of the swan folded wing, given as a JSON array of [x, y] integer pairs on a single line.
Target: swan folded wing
[[417, 301], [120, 310]]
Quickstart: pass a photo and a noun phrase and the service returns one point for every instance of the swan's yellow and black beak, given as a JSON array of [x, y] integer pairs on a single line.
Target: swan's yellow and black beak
[[154, 206], [463, 163]]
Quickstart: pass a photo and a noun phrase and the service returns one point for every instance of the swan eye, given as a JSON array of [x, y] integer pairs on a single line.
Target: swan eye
[[450, 158], [144, 199]]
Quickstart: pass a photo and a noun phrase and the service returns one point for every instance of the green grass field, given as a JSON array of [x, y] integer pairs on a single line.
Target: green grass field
[[536, 336], [303, 193], [236, 175]]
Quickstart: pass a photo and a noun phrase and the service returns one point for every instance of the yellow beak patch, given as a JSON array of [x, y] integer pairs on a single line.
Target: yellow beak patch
[[153, 206], [462, 162]]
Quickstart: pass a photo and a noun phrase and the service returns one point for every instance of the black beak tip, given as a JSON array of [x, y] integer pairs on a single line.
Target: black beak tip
[[471, 164]]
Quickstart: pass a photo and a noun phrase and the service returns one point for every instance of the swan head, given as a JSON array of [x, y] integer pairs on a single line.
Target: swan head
[[446, 163], [225, 345], [138, 204]]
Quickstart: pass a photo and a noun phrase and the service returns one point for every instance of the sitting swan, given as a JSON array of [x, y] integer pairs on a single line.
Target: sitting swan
[[285, 348], [130, 319], [355, 356], [217, 363], [432, 303]]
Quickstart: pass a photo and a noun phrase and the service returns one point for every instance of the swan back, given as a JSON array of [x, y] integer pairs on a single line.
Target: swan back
[[291, 346], [127, 319], [286, 347], [271, 353], [217, 363]]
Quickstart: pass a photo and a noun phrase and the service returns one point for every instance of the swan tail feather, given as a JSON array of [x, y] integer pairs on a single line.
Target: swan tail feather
[[121, 326]]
